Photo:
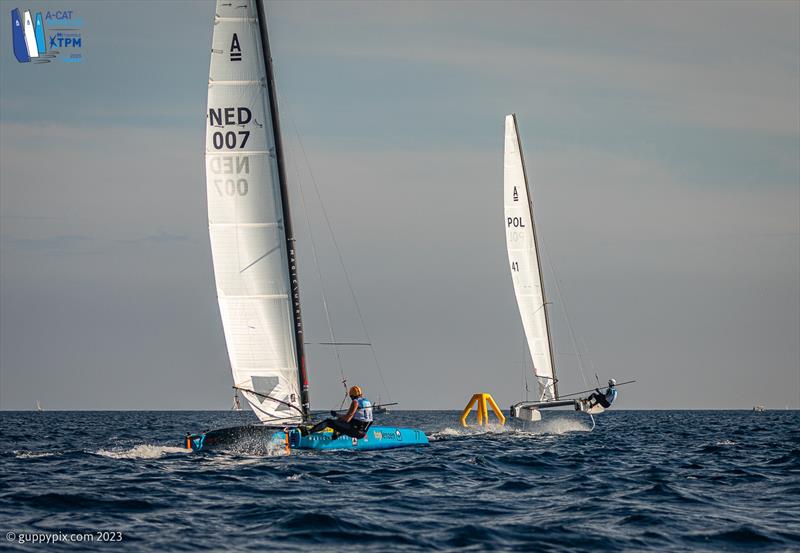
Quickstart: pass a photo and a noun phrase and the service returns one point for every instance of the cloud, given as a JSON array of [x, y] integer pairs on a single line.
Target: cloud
[[82, 245], [690, 63], [64, 244], [158, 238], [661, 141]]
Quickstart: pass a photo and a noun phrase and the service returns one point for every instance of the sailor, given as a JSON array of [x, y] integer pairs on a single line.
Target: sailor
[[355, 422], [604, 398]]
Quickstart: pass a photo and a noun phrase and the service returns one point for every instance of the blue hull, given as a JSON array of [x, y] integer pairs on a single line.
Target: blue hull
[[378, 437]]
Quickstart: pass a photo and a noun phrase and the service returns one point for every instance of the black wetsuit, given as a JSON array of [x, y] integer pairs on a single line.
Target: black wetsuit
[[354, 428], [603, 399]]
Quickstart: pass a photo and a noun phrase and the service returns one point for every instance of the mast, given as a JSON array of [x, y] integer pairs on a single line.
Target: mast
[[536, 248], [294, 283]]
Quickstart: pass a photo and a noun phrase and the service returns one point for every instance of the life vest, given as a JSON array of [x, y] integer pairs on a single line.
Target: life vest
[[364, 412], [611, 395]]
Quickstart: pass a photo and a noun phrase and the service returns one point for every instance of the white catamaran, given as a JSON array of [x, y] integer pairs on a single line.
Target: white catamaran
[[526, 273], [252, 241]]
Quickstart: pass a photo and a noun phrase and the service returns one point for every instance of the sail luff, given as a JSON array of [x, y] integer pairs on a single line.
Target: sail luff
[[287, 219], [523, 254]]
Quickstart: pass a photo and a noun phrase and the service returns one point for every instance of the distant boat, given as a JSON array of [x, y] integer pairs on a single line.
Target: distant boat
[[526, 275], [236, 405], [39, 406], [759, 408], [381, 408]]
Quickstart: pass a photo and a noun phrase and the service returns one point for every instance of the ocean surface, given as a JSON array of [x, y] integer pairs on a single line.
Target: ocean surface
[[640, 481]]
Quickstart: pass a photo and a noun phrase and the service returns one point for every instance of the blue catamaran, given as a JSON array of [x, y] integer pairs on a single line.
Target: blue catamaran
[[253, 246]]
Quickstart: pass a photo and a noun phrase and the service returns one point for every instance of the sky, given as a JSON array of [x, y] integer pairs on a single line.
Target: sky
[[662, 141]]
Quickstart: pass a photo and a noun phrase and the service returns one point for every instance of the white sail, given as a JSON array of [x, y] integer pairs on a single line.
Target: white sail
[[524, 261], [245, 216], [30, 36]]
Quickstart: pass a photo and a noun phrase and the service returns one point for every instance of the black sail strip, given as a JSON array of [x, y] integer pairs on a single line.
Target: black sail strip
[[294, 284]]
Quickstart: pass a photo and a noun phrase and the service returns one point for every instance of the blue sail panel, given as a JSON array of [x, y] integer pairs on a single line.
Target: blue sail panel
[[18, 37], [39, 31]]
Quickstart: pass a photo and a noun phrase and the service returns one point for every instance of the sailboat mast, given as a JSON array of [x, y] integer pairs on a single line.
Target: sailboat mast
[[536, 247], [287, 219]]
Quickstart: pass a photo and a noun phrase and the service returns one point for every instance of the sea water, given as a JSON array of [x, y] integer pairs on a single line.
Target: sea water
[[640, 481]]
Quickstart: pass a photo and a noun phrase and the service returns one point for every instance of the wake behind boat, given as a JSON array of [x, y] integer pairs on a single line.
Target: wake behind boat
[[253, 246]]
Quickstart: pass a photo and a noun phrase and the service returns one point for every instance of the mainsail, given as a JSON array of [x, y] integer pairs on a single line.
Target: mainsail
[[523, 256], [251, 240]]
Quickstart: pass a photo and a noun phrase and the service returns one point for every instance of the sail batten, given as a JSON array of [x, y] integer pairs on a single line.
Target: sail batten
[[247, 218], [523, 256], [234, 82]]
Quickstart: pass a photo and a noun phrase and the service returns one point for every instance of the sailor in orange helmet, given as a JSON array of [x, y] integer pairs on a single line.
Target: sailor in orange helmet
[[355, 422]]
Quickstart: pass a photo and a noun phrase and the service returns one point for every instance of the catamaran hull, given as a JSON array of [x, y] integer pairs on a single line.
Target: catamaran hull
[[378, 437], [530, 411]]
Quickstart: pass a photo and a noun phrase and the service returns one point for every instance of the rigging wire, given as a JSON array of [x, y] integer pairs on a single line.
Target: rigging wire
[[584, 347], [319, 278], [524, 368], [338, 251], [573, 339]]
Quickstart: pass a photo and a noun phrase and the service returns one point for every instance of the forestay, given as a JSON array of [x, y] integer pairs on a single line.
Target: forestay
[[524, 261], [245, 215]]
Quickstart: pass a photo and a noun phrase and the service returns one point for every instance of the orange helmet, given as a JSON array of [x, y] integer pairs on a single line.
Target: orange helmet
[[355, 391]]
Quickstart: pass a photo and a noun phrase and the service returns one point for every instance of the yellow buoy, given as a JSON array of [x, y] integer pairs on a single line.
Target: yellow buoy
[[483, 413]]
